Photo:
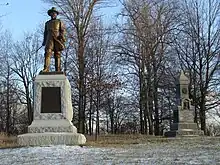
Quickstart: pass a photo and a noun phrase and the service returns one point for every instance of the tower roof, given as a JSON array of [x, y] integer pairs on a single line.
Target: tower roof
[[183, 79]]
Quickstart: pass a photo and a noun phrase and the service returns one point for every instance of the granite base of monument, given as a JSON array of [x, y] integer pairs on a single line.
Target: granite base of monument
[[51, 138], [52, 114], [183, 130], [185, 126]]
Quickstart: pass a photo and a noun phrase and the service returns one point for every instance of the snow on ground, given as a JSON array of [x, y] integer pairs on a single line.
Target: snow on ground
[[188, 151]]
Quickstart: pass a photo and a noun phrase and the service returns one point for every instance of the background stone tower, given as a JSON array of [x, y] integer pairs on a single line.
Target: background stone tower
[[183, 124]]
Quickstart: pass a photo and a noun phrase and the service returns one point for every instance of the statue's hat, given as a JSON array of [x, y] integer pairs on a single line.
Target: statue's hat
[[53, 9]]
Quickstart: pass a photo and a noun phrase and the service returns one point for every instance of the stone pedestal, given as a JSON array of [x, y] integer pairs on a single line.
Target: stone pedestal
[[185, 125], [52, 114]]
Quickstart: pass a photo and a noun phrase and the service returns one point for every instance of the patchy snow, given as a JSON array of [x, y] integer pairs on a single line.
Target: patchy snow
[[189, 152]]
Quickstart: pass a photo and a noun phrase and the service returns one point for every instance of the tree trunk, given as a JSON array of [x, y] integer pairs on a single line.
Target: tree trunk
[[81, 86], [112, 121], [90, 113], [146, 110], [145, 120], [29, 106], [111, 115], [97, 124], [97, 113], [143, 96], [156, 110], [107, 129], [8, 103], [141, 103], [203, 116], [150, 116]]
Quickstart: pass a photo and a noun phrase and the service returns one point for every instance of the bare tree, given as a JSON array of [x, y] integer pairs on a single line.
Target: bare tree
[[101, 76], [147, 34], [26, 64], [8, 87]]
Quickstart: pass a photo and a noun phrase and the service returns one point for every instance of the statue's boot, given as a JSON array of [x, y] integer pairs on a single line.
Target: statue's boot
[[57, 62], [46, 63]]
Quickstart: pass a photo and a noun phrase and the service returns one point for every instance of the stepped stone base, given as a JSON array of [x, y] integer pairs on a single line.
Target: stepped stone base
[[51, 132], [179, 126], [41, 126], [183, 133], [183, 129], [51, 138]]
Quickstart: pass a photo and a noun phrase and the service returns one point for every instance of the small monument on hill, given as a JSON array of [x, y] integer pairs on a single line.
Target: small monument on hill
[[53, 110], [183, 124]]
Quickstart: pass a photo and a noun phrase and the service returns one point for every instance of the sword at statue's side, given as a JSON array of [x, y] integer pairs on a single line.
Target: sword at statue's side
[[38, 49]]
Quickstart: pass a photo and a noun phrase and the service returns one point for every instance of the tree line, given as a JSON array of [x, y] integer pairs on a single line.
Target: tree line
[[123, 76]]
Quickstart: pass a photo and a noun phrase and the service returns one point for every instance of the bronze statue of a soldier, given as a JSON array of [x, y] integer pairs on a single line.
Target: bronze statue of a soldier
[[54, 40]]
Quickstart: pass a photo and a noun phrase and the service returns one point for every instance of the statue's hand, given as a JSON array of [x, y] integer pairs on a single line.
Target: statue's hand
[[61, 38]]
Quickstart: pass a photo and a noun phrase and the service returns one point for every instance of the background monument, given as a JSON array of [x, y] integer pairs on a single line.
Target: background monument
[[183, 124]]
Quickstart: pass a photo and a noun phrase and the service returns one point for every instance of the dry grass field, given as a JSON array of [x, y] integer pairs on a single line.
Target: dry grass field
[[101, 141], [7, 141], [112, 140], [120, 140]]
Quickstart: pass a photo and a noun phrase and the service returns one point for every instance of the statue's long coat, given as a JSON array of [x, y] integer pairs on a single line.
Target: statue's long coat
[[54, 35]]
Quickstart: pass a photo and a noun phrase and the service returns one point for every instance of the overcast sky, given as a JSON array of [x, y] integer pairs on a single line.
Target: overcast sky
[[26, 15]]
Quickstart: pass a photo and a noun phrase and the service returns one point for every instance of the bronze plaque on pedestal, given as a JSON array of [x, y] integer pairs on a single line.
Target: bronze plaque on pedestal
[[50, 100]]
